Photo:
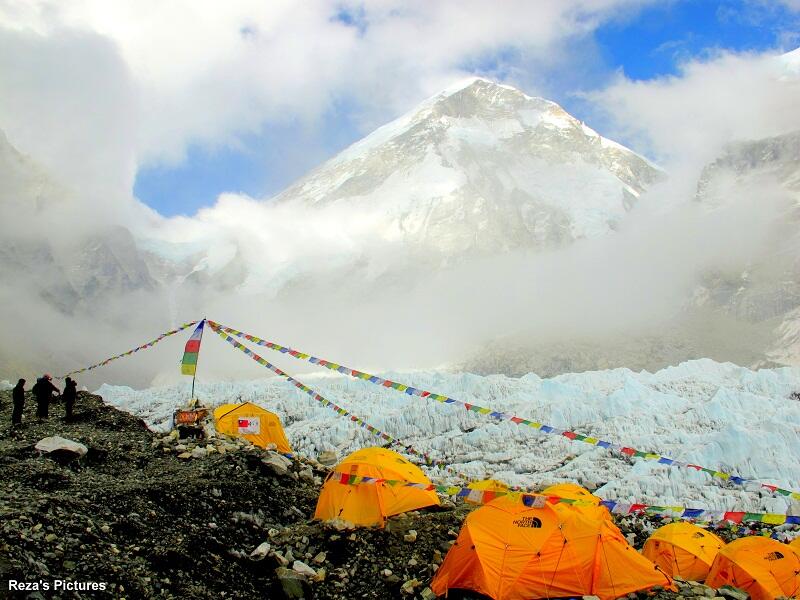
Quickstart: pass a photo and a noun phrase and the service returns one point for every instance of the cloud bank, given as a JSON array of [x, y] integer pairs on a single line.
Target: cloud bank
[[94, 91]]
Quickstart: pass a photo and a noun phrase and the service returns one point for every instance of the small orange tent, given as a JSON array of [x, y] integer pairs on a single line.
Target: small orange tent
[[571, 491], [589, 503], [371, 503], [683, 549], [761, 566], [509, 551], [492, 485], [253, 423]]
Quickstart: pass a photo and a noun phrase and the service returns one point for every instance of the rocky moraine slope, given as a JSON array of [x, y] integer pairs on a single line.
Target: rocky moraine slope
[[151, 516]]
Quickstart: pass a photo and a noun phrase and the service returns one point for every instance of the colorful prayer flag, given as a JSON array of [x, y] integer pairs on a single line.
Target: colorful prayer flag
[[192, 350]]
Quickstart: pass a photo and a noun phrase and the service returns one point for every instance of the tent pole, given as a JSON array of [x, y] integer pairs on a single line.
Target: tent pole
[[198, 358]]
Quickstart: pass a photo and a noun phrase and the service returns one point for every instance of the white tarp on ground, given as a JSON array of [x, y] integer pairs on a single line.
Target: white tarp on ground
[[57, 443]]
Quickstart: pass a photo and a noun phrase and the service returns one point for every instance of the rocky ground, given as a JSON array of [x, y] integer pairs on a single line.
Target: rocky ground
[[152, 516]]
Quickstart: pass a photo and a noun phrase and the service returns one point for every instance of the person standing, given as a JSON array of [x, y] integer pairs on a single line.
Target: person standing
[[43, 390], [69, 396], [18, 396]]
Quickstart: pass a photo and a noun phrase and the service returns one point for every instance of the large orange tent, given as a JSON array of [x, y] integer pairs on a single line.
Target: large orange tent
[[588, 503], [251, 422], [370, 504], [509, 551], [683, 549], [761, 566]]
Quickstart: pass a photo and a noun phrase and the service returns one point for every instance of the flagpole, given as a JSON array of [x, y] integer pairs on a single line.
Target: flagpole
[[194, 376]]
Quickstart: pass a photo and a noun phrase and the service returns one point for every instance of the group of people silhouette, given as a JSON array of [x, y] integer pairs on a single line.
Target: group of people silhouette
[[43, 391]]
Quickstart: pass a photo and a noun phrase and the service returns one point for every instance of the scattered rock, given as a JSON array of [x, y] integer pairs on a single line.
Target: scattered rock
[[261, 551], [733, 593], [320, 558], [276, 463], [307, 475], [300, 567], [63, 447], [328, 458], [292, 583], [411, 536]]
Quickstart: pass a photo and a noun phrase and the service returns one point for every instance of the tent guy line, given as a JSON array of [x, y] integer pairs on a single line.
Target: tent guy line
[[501, 416], [222, 331], [616, 507], [132, 351], [484, 496], [338, 409]]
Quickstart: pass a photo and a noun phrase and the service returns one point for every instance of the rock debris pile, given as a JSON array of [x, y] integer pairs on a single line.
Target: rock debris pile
[[155, 516]]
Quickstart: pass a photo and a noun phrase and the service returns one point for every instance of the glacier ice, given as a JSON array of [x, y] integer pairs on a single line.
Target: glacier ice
[[717, 415]]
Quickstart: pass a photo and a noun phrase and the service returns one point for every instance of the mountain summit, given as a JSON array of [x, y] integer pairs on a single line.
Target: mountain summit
[[482, 168]]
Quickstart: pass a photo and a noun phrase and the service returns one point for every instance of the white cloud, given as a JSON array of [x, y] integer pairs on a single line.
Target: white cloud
[[67, 100], [142, 80], [684, 121]]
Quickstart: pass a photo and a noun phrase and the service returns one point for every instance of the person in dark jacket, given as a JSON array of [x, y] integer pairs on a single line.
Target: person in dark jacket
[[18, 395], [43, 390], [69, 396]]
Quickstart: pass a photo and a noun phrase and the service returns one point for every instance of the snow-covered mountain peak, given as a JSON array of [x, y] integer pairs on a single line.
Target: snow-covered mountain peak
[[482, 167], [471, 98]]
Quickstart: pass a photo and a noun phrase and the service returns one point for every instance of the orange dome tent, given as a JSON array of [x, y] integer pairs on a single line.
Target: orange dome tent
[[572, 491], [795, 543], [370, 504], [492, 485], [683, 549], [761, 566], [509, 551], [253, 423]]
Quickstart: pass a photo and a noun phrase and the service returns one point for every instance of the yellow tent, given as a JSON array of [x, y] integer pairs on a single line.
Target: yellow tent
[[509, 551], [252, 423], [683, 549], [370, 504], [761, 566], [572, 491], [492, 485]]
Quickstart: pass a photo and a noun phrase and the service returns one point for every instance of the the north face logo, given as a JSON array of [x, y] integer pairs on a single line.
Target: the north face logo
[[773, 556], [533, 522]]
